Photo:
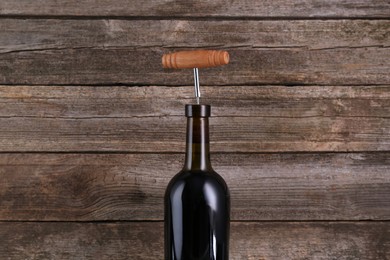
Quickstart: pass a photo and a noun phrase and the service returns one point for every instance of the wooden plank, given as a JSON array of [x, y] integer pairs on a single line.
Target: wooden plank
[[133, 66], [88, 187], [150, 119], [64, 51], [17, 35], [216, 8], [160, 101], [119, 51], [144, 240]]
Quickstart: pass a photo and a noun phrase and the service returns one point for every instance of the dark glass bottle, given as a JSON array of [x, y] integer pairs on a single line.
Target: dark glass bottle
[[197, 201]]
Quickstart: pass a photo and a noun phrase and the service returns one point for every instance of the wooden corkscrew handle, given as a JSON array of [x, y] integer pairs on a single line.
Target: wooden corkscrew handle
[[195, 59]]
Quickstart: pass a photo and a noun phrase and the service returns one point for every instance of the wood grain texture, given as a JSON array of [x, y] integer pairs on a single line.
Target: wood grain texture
[[138, 119], [140, 241], [129, 66], [129, 52], [195, 59], [18, 35], [88, 187], [63, 205], [216, 8]]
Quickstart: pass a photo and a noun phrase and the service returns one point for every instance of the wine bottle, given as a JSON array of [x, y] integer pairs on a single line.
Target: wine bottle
[[197, 201]]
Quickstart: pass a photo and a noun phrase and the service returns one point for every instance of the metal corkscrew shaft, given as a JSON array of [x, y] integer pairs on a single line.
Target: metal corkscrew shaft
[[195, 59], [196, 84]]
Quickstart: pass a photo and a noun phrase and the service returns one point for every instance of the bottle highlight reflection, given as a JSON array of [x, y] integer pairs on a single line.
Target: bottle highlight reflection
[[197, 201]]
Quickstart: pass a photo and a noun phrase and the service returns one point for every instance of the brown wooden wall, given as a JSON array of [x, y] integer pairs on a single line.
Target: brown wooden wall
[[92, 128]]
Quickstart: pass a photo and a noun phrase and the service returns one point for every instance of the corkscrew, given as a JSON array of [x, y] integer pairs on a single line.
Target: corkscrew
[[195, 60]]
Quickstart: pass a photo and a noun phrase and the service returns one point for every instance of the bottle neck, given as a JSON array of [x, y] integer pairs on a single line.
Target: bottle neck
[[198, 148]]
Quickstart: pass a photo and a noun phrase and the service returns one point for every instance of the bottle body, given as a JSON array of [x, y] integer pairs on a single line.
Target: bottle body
[[197, 217], [197, 203]]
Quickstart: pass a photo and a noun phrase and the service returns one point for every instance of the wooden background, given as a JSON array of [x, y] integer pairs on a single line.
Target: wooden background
[[92, 128]]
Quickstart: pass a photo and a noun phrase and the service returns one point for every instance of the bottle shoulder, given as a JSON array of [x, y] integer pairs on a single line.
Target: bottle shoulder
[[197, 180]]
